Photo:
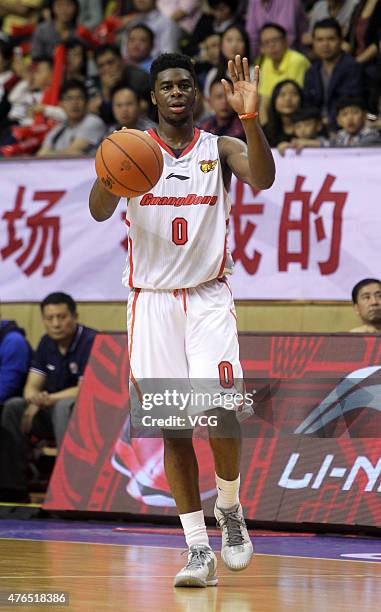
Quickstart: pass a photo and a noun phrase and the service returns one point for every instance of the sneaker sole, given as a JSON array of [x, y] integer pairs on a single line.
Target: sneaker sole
[[195, 582], [237, 568]]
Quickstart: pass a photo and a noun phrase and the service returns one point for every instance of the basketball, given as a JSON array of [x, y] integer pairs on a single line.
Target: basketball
[[128, 163]]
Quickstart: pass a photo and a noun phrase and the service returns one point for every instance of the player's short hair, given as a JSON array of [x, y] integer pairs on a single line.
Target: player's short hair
[[165, 61], [114, 49], [275, 26], [348, 101], [362, 283], [304, 114], [328, 24], [58, 297], [73, 84], [142, 26]]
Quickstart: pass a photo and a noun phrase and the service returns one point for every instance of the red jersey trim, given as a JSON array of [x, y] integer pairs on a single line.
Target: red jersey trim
[[164, 146], [135, 299], [130, 279], [225, 251], [132, 378], [184, 292]]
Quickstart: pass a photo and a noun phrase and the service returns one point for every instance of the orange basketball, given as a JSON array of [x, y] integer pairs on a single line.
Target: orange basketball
[[128, 163]]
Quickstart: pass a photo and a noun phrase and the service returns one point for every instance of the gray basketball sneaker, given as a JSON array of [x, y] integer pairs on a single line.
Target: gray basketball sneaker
[[200, 571], [237, 549]]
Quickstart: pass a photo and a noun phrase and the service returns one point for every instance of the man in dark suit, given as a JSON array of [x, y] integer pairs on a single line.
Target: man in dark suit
[[333, 75]]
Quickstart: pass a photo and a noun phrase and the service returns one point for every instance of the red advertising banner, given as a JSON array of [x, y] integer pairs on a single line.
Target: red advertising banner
[[311, 451]]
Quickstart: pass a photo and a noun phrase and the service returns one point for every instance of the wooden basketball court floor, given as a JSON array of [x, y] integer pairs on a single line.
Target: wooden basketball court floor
[[104, 566]]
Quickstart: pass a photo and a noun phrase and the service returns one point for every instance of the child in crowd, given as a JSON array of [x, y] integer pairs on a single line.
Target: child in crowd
[[351, 115], [308, 131]]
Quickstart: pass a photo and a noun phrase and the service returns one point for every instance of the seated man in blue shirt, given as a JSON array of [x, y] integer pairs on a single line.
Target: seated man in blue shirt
[[53, 380], [15, 354]]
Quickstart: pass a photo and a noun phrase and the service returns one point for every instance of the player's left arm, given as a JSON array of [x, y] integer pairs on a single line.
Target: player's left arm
[[252, 163]]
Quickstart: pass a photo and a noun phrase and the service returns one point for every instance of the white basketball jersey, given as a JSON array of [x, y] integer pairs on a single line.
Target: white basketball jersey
[[177, 232]]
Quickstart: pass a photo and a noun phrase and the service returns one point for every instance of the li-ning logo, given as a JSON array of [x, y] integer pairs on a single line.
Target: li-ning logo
[[349, 395], [362, 465], [206, 165], [181, 177]]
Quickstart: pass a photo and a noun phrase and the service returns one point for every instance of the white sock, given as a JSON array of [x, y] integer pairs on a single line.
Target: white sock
[[227, 492], [194, 528]]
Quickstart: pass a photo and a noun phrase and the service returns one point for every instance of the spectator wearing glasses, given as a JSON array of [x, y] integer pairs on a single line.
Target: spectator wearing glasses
[[278, 62]]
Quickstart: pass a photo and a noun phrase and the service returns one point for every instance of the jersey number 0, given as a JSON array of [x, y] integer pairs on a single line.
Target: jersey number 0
[[180, 231]]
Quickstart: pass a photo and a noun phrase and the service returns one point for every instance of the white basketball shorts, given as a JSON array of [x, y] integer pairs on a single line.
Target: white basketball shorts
[[184, 354]]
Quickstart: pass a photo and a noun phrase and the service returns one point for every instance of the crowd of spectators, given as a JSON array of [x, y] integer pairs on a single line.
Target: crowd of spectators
[[71, 71]]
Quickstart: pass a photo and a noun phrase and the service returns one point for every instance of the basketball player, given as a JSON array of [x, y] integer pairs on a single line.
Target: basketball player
[[181, 316]]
